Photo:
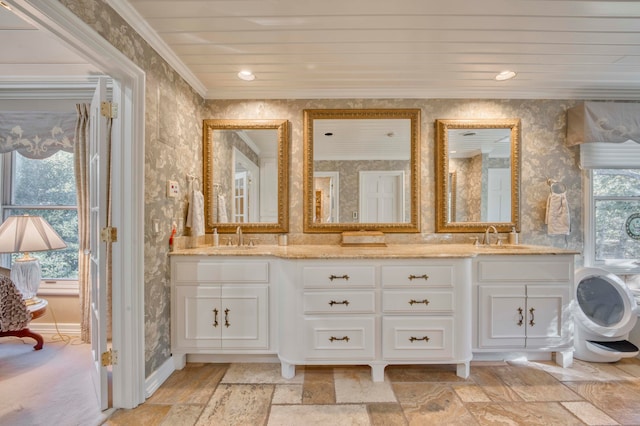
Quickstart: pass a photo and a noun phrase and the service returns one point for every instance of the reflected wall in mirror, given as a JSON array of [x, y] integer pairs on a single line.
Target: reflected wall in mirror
[[361, 170], [477, 175], [246, 164]]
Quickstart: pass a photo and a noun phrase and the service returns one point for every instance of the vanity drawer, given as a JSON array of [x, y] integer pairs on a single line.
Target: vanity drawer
[[410, 338], [338, 276], [418, 275], [417, 301], [218, 272], [339, 302], [340, 338]]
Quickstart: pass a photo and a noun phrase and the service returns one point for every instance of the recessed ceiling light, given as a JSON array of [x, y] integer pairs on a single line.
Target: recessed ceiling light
[[505, 75], [246, 75]]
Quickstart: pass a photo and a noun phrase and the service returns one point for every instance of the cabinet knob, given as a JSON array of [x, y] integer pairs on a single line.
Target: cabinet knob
[[531, 322], [344, 302], [333, 338], [413, 301], [215, 317], [226, 317], [414, 339]]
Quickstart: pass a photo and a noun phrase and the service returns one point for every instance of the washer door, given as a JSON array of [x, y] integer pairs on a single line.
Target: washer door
[[605, 305]]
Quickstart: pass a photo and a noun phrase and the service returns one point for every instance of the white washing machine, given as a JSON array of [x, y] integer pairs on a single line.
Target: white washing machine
[[634, 334], [605, 311]]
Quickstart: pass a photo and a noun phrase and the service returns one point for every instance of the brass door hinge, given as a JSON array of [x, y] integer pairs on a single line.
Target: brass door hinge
[[109, 357], [109, 109], [109, 234]]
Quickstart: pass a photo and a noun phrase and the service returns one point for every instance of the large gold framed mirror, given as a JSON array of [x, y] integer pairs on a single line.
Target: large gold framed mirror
[[361, 170], [246, 175], [477, 175]]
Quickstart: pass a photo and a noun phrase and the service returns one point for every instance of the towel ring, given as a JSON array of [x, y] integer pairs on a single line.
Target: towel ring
[[556, 187]]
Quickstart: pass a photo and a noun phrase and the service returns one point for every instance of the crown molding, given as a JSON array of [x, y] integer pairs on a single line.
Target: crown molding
[[48, 87], [137, 22]]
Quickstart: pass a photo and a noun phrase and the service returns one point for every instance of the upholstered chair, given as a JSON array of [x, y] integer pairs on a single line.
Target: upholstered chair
[[14, 315]]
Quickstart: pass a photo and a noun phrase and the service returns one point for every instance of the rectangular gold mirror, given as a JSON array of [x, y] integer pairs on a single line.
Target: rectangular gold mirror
[[246, 175], [477, 175], [361, 170]]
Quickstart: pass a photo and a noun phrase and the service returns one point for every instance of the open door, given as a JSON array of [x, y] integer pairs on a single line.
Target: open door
[[97, 221]]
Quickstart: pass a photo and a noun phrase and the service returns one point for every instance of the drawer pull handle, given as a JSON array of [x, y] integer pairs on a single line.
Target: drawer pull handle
[[344, 302], [531, 323], [414, 339], [413, 301], [521, 318], [338, 277], [226, 317], [215, 317], [415, 277], [333, 339]]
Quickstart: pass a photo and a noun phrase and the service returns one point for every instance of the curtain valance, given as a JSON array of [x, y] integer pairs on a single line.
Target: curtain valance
[[37, 134], [609, 122]]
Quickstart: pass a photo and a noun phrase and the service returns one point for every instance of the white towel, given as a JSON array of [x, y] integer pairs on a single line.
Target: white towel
[[222, 209], [195, 215], [558, 218]]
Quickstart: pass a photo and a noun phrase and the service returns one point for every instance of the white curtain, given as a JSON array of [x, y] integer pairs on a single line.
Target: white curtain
[[36, 134], [603, 122]]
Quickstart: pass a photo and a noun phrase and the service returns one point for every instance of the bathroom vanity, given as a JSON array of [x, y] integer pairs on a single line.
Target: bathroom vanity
[[401, 304]]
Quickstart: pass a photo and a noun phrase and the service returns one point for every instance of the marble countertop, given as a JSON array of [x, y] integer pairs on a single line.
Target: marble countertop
[[391, 251]]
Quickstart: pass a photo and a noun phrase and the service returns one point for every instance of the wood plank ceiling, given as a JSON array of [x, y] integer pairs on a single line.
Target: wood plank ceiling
[[301, 49], [397, 49]]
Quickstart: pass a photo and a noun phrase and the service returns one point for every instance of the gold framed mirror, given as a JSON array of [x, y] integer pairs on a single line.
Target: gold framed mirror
[[361, 170], [478, 172], [246, 175]]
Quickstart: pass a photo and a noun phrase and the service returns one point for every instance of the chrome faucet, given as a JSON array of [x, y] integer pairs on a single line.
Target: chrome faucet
[[239, 234], [487, 239]]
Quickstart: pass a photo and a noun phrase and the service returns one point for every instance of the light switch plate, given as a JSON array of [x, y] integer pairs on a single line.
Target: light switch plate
[[172, 189]]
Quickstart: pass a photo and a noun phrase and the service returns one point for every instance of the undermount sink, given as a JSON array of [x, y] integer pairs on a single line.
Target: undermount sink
[[503, 247], [225, 247]]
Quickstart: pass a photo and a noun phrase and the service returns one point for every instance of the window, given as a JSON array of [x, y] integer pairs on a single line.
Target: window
[[44, 187], [612, 236]]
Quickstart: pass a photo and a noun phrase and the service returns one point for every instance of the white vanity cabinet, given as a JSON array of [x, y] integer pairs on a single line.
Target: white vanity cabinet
[[219, 306], [376, 312], [338, 311], [523, 304]]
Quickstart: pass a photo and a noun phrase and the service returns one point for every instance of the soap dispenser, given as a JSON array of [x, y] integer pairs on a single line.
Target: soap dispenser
[[513, 236]]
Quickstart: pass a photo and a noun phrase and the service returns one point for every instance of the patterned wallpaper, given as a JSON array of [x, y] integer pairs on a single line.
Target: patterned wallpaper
[[173, 132]]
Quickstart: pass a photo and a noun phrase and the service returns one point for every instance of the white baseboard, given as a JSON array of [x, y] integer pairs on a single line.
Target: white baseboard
[[158, 377], [71, 329]]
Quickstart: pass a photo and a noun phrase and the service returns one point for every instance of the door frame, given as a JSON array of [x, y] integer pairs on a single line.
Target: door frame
[[127, 187]]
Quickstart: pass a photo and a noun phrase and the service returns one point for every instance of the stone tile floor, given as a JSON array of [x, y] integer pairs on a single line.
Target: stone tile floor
[[500, 393]]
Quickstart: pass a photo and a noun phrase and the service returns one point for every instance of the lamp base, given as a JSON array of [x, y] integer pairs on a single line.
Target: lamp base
[[32, 301]]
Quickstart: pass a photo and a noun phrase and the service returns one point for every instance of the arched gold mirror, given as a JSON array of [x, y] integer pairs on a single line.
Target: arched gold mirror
[[246, 175], [477, 175], [361, 170]]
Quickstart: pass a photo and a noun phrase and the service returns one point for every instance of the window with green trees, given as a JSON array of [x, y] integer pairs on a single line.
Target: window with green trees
[[616, 198], [45, 187]]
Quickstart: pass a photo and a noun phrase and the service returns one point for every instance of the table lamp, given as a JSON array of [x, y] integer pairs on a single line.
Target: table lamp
[[28, 234]]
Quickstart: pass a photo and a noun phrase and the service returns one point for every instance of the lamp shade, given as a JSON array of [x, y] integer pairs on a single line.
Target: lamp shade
[[28, 233]]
